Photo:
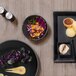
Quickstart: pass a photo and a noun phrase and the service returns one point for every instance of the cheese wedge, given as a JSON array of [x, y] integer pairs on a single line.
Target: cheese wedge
[[18, 70]]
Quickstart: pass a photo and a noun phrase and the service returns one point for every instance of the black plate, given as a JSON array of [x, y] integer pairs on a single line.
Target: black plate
[[30, 66], [26, 33], [60, 37]]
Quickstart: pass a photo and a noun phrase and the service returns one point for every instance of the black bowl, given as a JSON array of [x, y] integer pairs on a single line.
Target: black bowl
[[41, 22]]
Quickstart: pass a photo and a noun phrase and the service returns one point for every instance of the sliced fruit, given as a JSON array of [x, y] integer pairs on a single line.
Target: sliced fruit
[[70, 32], [18, 70]]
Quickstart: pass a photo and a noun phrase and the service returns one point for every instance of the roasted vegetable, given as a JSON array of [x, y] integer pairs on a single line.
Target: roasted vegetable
[[18, 70], [14, 56]]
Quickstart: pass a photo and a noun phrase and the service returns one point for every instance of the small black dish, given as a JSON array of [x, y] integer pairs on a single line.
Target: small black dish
[[31, 21], [31, 67], [68, 52], [68, 57]]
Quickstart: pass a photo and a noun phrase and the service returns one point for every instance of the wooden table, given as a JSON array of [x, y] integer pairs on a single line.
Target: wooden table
[[44, 49]]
